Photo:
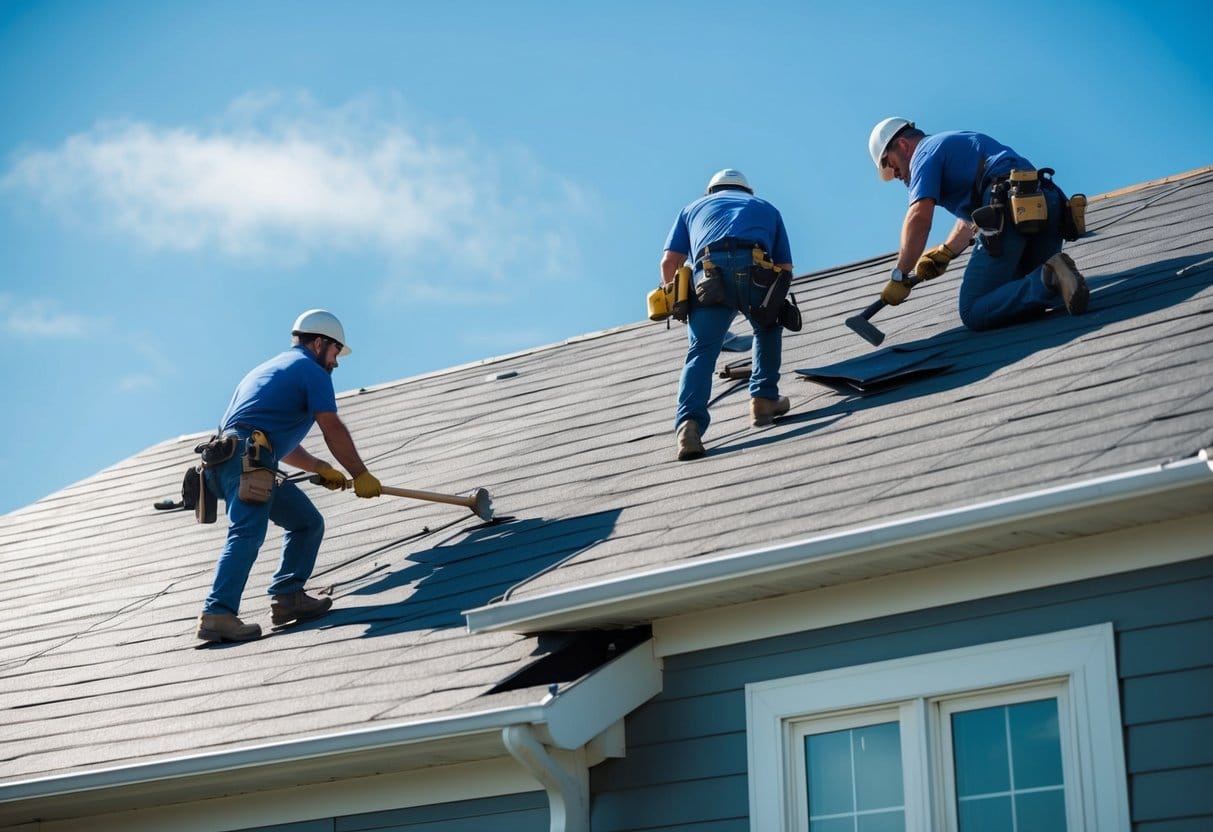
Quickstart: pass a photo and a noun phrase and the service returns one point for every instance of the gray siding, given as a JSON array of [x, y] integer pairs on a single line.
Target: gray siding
[[526, 812], [686, 765]]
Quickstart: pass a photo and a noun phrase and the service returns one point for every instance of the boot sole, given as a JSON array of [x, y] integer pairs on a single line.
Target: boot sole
[[1076, 304], [278, 619], [215, 637]]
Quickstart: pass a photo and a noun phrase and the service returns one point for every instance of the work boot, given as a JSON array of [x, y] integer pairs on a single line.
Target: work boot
[[690, 446], [226, 627], [297, 606], [764, 411], [1061, 275]]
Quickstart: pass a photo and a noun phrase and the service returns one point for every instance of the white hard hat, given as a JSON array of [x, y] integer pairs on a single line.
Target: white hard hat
[[882, 135], [321, 322], [730, 177]]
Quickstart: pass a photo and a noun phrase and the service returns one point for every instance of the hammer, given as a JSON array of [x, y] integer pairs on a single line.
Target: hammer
[[862, 324], [478, 501]]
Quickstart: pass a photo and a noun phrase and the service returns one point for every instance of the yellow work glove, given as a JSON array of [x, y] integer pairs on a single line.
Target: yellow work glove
[[933, 263], [334, 480], [894, 292], [366, 485]]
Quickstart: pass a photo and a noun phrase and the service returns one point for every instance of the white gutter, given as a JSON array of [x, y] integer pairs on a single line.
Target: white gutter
[[566, 780], [637, 596], [568, 719]]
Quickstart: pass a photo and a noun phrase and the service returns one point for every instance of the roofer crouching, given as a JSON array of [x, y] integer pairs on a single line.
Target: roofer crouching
[[1018, 214]]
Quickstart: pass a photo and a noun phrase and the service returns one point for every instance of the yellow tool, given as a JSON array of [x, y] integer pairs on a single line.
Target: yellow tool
[[672, 300], [1028, 207]]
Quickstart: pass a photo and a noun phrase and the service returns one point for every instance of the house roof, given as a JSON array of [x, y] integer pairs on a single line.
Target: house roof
[[103, 683]]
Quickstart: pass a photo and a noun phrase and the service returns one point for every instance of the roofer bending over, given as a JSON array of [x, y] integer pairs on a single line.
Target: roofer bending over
[[741, 252], [1019, 215], [271, 412]]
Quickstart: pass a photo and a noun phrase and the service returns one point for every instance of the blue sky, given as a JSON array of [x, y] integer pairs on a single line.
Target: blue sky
[[462, 180]]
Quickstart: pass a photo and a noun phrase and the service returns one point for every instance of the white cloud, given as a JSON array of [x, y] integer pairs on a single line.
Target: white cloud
[[43, 319], [281, 177]]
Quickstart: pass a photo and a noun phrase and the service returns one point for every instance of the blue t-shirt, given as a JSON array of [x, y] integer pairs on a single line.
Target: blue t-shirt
[[729, 213], [281, 398], [944, 166]]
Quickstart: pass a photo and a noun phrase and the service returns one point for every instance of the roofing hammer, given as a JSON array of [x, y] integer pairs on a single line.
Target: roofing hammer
[[862, 324], [478, 501]]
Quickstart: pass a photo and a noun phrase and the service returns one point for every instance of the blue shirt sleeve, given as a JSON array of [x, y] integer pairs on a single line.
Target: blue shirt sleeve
[[679, 238]]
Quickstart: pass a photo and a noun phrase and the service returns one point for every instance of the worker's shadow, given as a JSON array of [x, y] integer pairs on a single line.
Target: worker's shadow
[[967, 357], [430, 588]]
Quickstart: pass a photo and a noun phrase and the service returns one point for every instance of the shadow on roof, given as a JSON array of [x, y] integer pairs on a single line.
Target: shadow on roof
[[972, 356], [468, 570]]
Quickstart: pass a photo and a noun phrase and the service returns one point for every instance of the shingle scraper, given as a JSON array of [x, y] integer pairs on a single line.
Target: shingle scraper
[[478, 501]]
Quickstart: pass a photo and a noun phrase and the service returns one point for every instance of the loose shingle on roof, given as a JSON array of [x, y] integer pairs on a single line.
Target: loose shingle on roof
[[99, 595]]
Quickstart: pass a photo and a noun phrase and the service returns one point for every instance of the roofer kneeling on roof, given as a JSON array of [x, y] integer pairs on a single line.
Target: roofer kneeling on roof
[[271, 412], [741, 254], [1021, 217]]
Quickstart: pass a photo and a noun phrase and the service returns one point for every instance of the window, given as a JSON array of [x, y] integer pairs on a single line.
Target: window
[[1016, 736]]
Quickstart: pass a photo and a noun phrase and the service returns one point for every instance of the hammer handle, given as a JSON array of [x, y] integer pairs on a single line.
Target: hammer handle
[[874, 307]]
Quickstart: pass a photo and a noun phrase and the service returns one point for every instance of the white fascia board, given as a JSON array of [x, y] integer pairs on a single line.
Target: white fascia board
[[620, 597], [270, 754], [568, 720]]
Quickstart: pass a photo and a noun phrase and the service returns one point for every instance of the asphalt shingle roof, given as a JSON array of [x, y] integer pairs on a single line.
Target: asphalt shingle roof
[[100, 591]]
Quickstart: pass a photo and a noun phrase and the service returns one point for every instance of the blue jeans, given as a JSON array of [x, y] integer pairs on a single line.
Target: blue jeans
[[289, 508], [997, 291], [706, 329]]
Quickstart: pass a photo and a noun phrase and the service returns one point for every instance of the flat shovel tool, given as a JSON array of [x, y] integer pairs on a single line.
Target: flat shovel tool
[[478, 501]]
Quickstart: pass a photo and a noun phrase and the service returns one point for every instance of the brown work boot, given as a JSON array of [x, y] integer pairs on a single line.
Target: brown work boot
[[1061, 275], [297, 606], [764, 411], [226, 627], [690, 446]]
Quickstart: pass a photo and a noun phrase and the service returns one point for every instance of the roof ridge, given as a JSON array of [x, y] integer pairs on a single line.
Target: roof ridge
[[1143, 185]]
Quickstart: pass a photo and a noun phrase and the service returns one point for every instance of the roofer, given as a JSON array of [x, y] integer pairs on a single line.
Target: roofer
[[270, 413], [740, 251], [1017, 268]]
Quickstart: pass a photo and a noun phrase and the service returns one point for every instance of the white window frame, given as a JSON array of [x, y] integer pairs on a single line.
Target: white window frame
[[1082, 660]]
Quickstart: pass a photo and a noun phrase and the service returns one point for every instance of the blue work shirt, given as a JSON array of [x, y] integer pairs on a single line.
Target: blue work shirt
[[281, 398], [729, 213], [944, 166]]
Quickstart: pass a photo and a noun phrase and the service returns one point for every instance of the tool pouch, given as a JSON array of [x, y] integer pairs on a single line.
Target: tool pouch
[[774, 285], [256, 483], [207, 507], [1074, 218], [1029, 211], [191, 486], [217, 450], [680, 305], [989, 220], [789, 315], [709, 291]]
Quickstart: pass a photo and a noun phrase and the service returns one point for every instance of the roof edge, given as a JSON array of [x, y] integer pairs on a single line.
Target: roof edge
[[568, 719], [590, 603]]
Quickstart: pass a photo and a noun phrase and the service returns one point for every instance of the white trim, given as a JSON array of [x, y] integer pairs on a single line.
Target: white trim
[[1083, 657], [1141, 547], [439, 784], [1086, 507]]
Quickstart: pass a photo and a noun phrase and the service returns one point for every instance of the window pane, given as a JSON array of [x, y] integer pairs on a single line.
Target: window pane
[[828, 761], [987, 814], [883, 822], [878, 779], [1008, 768], [855, 780], [979, 745], [1035, 744], [1041, 811]]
